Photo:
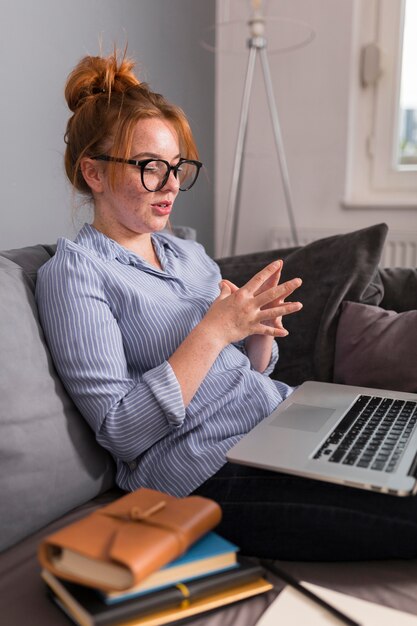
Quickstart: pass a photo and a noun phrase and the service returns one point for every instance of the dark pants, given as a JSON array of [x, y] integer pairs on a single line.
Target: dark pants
[[278, 516]]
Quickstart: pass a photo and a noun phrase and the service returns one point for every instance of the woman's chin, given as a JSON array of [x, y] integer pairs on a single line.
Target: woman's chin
[[160, 224]]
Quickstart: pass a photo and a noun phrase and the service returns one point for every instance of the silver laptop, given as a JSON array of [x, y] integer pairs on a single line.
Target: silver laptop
[[354, 436]]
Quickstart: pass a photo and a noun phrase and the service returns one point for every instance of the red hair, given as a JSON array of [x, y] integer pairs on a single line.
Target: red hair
[[107, 100]]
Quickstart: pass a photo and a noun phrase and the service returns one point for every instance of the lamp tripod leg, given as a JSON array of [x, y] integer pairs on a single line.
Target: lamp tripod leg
[[278, 142], [232, 217]]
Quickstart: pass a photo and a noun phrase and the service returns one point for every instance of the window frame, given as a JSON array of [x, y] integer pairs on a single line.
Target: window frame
[[373, 178]]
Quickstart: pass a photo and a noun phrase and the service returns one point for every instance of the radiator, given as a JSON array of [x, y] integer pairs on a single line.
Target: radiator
[[400, 249]]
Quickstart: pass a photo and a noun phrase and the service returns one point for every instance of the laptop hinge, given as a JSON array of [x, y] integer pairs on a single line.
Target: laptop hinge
[[413, 467]]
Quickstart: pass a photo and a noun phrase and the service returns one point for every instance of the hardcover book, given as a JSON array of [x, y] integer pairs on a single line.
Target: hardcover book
[[86, 608]]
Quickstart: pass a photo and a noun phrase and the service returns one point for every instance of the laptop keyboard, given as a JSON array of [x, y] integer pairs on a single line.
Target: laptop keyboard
[[373, 434]]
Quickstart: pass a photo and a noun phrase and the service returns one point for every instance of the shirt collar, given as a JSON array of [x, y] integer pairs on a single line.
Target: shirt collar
[[109, 250]]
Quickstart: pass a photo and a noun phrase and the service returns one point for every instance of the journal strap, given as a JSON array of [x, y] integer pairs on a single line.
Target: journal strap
[[147, 516]]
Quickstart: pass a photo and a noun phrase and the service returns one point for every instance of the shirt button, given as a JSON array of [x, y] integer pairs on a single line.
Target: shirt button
[[133, 465]]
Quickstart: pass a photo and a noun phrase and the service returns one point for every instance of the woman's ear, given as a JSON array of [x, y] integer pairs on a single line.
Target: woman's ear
[[93, 173]]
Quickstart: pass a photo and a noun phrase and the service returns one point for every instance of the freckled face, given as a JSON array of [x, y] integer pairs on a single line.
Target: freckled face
[[130, 209]]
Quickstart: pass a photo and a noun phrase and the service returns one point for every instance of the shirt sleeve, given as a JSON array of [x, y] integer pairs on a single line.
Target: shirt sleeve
[[240, 345], [274, 359], [128, 415]]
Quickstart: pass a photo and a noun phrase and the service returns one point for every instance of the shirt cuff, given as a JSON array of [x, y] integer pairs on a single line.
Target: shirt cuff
[[167, 391]]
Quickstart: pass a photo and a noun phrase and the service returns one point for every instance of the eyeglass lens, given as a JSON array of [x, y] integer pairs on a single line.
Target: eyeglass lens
[[155, 175]]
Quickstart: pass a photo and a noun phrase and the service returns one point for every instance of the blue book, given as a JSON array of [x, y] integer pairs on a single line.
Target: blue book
[[208, 555]]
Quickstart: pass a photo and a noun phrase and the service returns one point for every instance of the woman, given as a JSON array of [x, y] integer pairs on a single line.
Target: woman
[[167, 362]]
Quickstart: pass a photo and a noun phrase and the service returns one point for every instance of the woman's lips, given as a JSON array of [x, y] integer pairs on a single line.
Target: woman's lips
[[162, 208]]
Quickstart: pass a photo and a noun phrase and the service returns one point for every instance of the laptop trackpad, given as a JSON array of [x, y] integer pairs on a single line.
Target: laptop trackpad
[[303, 417]]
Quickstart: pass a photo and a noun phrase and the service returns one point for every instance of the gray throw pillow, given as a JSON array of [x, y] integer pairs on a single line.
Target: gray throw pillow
[[333, 269], [49, 459], [376, 348]]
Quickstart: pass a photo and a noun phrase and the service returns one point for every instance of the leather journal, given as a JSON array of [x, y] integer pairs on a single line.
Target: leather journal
[[120, 544]]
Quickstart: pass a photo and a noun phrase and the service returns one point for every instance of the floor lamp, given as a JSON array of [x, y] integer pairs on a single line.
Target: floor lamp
[[257, 45]]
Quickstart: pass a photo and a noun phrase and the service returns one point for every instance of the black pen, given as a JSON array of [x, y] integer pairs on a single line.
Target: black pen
[[309, 594]]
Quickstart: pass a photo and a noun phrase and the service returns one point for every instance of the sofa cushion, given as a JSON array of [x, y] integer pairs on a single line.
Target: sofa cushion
[[49, 459], [333, 269], [376, 348], [400, 288], [30, 259]]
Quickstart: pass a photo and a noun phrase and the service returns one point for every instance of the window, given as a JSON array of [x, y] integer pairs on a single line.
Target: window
[[407, 122], [382, 142]]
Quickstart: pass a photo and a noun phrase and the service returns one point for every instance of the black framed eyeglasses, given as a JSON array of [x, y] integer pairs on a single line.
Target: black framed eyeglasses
[[155, 172]]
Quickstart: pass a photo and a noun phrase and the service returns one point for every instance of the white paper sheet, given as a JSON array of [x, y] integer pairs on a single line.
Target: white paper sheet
[[291, 608]]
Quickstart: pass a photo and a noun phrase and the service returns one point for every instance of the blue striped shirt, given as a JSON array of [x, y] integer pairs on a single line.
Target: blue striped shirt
[[111, 321]]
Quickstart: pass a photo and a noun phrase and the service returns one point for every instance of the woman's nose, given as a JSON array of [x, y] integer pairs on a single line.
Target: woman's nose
[[172, 183]]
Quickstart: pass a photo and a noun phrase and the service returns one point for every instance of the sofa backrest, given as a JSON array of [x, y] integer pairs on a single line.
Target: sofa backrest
[[49, 459]]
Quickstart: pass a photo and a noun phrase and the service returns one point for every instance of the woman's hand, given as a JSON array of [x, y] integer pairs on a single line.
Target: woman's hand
[[259, 347], [256, 308]]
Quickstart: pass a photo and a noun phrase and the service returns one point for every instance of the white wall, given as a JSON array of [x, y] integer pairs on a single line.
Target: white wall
[[40, 42], [311, 86]]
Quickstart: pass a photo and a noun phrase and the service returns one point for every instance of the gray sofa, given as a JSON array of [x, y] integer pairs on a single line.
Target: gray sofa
[[53, 472]]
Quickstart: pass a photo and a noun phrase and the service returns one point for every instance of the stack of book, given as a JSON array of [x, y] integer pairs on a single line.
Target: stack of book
[[92, 582]]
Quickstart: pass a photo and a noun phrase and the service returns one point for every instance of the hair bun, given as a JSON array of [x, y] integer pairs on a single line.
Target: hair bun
[[94, 76]]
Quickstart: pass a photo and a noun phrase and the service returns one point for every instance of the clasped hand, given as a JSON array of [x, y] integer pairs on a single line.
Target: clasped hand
[[256, 308]]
